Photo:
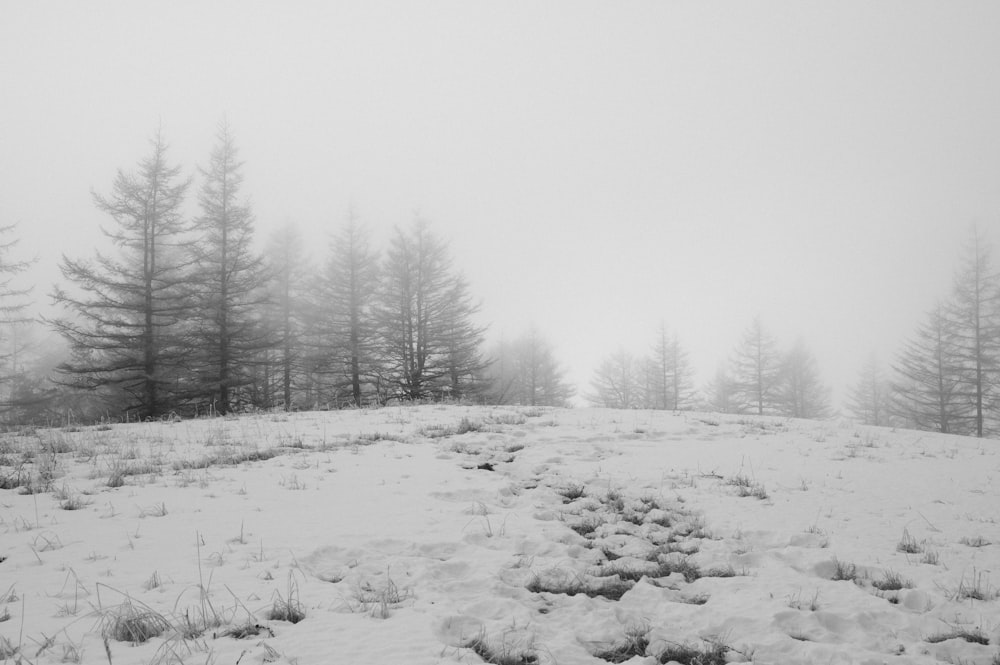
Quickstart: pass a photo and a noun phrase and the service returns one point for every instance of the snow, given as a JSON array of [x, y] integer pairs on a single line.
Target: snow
[[381, 526]]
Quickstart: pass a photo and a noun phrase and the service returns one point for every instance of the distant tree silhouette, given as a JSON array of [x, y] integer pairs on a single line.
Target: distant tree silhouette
[[671, 377], [974, 311], [616, 382], [282, 372], [344, 330], [801, 393], [868, 400], [756, 371], [525, 371]]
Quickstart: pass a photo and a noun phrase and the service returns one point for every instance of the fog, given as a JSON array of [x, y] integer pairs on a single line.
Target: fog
[[597, 167]]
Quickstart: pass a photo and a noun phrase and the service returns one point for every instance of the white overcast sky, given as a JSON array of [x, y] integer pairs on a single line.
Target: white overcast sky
[[597, 166]]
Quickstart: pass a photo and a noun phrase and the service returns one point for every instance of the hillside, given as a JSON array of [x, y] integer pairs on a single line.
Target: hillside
[[445, 534]]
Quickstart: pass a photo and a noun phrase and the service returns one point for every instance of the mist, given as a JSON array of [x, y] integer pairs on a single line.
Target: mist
[[595, 169]]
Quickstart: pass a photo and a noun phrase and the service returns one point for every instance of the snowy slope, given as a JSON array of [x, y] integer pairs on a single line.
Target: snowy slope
[[449, 534]]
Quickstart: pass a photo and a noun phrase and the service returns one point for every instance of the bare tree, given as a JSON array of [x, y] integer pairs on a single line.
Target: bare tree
[[125, 311]]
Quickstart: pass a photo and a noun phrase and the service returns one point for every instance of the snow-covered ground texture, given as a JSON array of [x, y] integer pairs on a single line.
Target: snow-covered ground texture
[[455, 534]]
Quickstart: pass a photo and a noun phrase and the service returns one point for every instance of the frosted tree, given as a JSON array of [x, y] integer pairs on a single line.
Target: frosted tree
[[228, 279], [868, 399], [124, 310], [756, 370]]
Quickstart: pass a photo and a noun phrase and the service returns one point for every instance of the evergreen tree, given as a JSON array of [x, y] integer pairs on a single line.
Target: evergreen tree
[[125, 311]]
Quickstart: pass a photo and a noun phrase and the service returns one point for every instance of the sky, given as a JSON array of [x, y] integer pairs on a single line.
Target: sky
[[598, 168]]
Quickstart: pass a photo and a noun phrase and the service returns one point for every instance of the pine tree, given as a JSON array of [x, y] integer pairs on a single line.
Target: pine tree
[[124, 329], [228, 279]]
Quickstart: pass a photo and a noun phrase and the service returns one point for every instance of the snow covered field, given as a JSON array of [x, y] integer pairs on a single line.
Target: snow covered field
[[460, 534]]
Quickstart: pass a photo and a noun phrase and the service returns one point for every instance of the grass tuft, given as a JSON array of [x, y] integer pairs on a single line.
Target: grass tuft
[[507, 650], [844, 572], [892, 581], [711, 653], [289, 607], [636, 643], [908, 544], [133, 623], [975, 636]]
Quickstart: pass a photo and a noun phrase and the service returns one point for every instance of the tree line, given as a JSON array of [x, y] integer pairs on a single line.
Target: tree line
[[759, 378], [185, 317], [182, 315]]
